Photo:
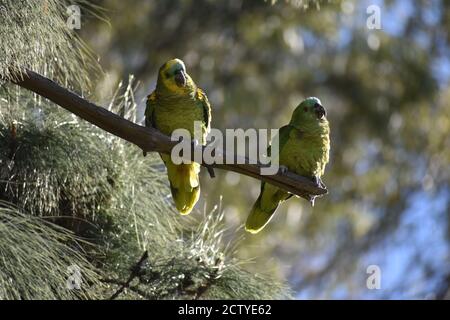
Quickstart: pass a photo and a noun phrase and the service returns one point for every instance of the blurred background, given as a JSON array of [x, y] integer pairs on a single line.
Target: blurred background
[[387, 94]]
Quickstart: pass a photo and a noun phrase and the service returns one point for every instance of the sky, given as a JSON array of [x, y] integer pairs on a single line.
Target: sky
[[415, 258]]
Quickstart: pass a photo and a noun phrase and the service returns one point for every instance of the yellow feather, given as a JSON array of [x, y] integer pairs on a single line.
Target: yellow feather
[[258, 218], [171, 107], [184, 184]]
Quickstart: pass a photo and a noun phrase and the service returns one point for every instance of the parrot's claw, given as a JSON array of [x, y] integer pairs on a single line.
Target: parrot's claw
[[308, 197], [283, 169], [318, 182], [211, 172], [144, 153]]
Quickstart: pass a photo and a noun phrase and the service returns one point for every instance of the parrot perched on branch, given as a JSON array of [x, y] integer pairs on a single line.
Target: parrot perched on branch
[[175, 104], [304, 146]]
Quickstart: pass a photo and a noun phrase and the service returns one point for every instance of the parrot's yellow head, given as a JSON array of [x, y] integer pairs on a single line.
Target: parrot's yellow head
[[173, 78], [309, 113]]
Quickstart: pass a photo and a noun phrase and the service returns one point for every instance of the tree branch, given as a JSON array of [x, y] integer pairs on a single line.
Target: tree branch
[[150, 139], [135, 271]]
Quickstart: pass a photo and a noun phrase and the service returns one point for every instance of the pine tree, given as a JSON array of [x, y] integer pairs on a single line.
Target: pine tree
[[82, 211]]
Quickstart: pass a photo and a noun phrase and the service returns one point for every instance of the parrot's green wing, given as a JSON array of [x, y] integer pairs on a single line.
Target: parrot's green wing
[[204, 103], [150, 110], [270, 196], [283, 137]]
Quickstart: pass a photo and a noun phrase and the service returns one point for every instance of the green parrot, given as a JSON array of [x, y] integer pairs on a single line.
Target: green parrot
[[175, 104], [304, 146]]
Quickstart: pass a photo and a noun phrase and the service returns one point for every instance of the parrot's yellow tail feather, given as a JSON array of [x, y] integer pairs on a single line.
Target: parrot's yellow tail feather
[[258, 218], [185, 200], [184, 184]]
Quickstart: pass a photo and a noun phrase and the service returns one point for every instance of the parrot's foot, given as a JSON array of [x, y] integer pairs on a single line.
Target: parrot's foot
[[311, 200], [211, 172], [318, 182], [322, 184], [283, 169]]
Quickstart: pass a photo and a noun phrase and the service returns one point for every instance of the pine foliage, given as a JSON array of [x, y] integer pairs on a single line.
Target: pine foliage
[[73, 195]]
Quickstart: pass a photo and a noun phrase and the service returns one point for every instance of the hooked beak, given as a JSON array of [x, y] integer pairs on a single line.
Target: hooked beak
[[320, 111], [180, 78]]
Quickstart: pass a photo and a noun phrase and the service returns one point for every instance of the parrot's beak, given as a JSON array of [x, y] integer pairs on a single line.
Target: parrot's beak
[[320, 111], [180, 78]]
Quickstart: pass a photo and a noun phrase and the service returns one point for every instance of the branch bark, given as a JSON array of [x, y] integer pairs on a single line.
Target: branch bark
[[149, 139]]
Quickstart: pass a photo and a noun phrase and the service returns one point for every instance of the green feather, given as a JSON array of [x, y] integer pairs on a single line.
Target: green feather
[[304, 146], [172, 107]]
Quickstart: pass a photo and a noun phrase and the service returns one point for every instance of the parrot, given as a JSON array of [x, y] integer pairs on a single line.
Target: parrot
[[176, 103], [304, 147]]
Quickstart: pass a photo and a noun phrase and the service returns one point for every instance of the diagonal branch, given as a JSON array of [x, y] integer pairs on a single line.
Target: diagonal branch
[[149, 139], [135, 271]]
